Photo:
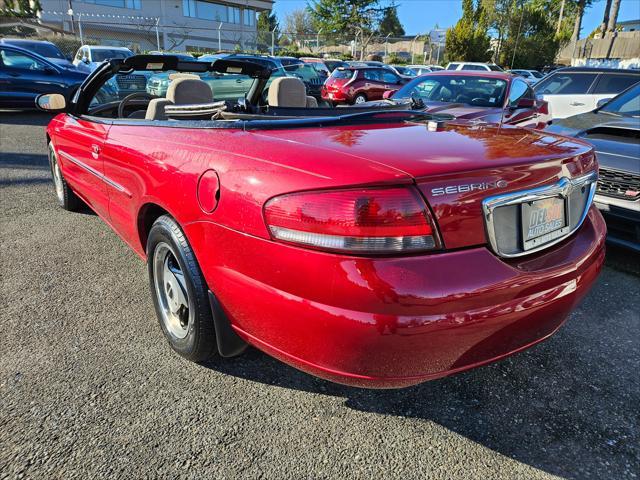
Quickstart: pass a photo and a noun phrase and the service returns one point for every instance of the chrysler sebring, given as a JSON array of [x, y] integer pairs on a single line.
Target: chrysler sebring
[[374, 247]]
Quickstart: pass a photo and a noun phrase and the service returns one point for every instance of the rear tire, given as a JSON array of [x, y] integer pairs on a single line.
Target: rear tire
[[179, 292], [67, 199], [360, 98]]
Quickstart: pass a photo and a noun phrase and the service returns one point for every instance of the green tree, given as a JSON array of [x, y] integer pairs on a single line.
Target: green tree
[[267, 23], [390, 23], [532, 40], [468, 40], [350, 19], [20, 8]]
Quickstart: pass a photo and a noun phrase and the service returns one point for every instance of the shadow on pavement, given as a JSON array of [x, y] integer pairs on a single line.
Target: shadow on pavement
[[24, 117], [25, 161], [569, 406]]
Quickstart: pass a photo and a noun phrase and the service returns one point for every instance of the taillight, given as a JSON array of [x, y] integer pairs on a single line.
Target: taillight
[[371, 221]]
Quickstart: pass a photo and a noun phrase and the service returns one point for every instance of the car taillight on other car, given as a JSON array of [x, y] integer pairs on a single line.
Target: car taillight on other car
[[364, 221]]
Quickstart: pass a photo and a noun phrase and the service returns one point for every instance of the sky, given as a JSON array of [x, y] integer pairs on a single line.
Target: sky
[[420, 16]]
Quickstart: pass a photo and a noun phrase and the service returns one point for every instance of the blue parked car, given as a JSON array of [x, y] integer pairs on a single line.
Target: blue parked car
[[43, 48], [24, 75]]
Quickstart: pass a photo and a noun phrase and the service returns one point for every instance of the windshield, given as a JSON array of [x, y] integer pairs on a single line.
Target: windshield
[[627, 104], [495, 68], [342, 74], [102, 55], [302, 70], [477, 91], [320, 67], [536, 74]]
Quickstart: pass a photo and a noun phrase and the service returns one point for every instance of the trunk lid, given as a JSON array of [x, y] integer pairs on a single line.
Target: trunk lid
[[458, 166]]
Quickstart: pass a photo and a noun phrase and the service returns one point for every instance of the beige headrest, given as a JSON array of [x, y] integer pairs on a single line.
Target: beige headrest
[[176, 75], [287, 92], [185, 91]]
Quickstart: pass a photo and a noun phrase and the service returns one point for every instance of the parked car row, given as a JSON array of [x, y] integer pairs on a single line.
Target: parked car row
[[571, 101]]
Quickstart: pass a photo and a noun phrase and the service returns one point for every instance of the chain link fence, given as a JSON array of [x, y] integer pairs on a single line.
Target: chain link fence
[[148, 34]]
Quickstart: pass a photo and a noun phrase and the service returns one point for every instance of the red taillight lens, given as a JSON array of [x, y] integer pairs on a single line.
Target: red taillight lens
[[389, 220]]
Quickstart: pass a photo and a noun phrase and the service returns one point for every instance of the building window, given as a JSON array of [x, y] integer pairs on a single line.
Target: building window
[[189, 8], [210, 11], [131, 4], [250, 17], [234, 15]]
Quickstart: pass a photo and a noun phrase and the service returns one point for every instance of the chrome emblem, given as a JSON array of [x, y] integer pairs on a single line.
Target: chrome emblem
[[467, 187]]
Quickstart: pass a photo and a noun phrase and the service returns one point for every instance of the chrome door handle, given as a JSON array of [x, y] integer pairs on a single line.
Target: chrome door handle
[[576, 104]]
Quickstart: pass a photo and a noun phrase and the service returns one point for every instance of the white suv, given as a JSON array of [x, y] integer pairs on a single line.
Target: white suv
[[574, 90], [487, 67]]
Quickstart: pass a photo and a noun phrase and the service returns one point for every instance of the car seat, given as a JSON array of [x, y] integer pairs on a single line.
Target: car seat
[[183, 90], [289, 92]]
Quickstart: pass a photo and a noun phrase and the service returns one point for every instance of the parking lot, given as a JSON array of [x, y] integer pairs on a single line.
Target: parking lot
[[90, 388]]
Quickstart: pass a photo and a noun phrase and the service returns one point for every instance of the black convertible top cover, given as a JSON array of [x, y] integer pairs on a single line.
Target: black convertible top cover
[[163, 63]]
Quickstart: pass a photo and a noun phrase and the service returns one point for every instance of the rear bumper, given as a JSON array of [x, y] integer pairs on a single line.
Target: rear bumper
[[333, 95], [395, 322]]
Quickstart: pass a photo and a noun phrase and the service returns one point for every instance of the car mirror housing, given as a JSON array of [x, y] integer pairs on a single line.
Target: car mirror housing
[[602, 102], [526, 103], [388, 94], [51, 102]]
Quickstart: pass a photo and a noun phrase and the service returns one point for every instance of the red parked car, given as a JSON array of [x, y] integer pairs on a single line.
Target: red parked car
[[373, 248], [495, 97], [356, 85]]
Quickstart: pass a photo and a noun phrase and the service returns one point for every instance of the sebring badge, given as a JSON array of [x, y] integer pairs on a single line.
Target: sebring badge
[[467, 187]]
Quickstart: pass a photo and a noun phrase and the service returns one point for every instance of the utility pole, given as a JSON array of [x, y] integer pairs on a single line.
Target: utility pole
[[558, 28], [70, 12], [413, 42], [515, 47], [318, 40], [273, 41], [220, 37], [158, 34], [386, 47]]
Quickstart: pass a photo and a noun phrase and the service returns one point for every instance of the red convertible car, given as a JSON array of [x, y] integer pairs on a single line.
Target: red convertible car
[[495, 97], [371, 247]]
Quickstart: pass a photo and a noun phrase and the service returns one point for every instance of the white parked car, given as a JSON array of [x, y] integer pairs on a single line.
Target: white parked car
[[530, 76], [574, 90], [487, 67], [89, 57], [420, 69]]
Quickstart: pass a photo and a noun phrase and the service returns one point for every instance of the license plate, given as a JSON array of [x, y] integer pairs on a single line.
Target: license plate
[[543, 221]]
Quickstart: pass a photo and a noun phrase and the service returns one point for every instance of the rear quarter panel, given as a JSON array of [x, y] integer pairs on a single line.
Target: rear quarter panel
[[163, 165]]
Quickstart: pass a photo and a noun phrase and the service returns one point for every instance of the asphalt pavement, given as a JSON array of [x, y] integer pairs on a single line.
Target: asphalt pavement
[[90, 389]]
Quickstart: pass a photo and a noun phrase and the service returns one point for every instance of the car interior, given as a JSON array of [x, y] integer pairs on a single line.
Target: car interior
[[188, 97], [469, 91]]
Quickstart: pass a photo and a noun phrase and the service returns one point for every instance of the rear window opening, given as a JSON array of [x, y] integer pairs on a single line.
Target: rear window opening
[[342, 73]]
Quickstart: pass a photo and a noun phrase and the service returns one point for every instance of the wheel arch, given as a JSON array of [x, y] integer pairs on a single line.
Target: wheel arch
[[147, 215]]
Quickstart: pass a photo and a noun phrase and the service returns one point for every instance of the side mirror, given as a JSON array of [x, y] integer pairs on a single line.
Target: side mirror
[[388, 94], [603, 101], [50, 70], [526, 103], [85, 60], [522, 103], [51, 102]]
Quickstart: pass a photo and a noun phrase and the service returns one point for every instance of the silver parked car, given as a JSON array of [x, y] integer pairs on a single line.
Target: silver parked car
[[614, 129]]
